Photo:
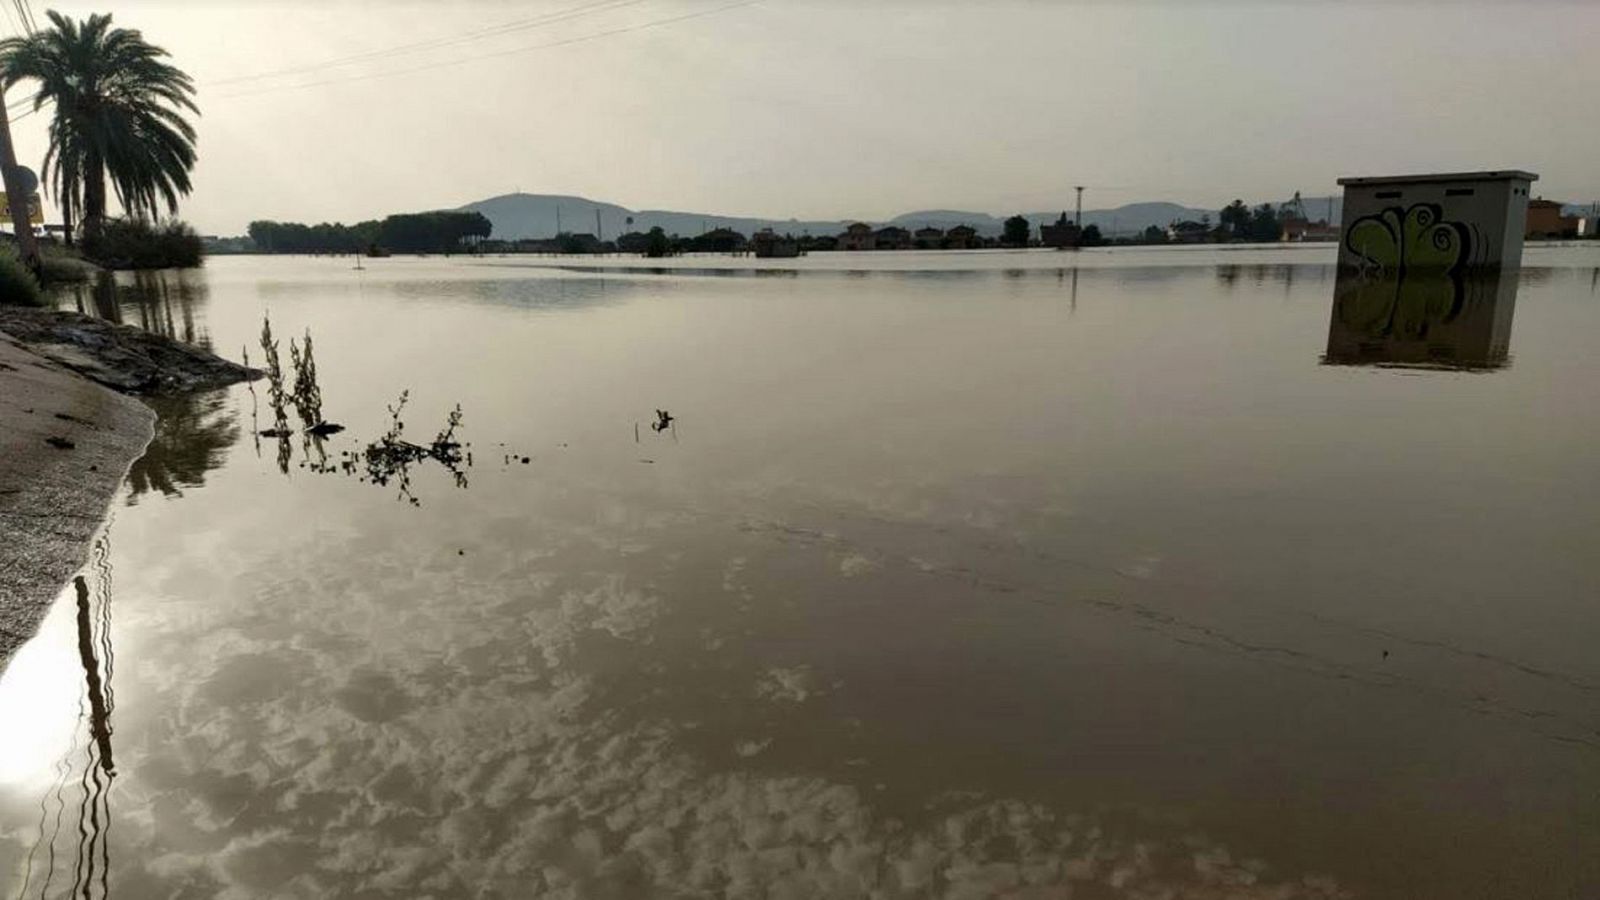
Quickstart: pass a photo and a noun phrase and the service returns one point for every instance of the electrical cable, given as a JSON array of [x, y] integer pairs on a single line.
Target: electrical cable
[[515, 50], [436, 43]]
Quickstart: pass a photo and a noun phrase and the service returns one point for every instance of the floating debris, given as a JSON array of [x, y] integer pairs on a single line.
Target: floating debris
[[663, 421], [60, 443]]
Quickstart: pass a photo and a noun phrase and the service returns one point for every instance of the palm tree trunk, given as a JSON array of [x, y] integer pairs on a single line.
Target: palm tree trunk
[[66, 222], [94, 191]]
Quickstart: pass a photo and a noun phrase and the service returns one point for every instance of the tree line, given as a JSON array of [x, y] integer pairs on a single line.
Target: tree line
[[445, 231]]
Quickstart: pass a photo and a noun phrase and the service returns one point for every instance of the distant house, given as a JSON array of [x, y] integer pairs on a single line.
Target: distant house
[[1061, 233], [928, 238], [1297, 230], [769, 245], [892, 237], [858, 237], [962, 237], [1546, 221], [1188, 232]]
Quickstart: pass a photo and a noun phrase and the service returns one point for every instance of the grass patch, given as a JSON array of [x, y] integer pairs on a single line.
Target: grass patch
[[63, 265]]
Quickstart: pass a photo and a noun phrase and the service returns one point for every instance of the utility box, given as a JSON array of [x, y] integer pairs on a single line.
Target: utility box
[[1447, 222]]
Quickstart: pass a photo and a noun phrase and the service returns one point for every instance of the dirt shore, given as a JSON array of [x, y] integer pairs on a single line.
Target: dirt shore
[[67, 441]]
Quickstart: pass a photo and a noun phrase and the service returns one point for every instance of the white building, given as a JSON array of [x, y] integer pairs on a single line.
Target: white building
[[1443, 222]]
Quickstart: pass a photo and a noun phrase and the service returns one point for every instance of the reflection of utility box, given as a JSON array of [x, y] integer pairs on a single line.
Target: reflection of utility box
[[1425, 320], [1439, 223]]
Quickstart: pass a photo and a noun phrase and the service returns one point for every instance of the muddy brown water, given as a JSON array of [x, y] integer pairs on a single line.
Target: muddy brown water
[[956, 575]]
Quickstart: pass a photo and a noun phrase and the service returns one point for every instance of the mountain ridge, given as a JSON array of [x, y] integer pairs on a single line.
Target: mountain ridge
[[522, 215]]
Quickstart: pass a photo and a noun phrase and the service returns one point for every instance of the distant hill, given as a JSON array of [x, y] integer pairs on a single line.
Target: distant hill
[[1130, 218], [949, 218], [535, 216]]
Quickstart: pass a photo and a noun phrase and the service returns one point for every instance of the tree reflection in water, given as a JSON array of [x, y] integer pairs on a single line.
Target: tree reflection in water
[[162, 302], [192, 435]]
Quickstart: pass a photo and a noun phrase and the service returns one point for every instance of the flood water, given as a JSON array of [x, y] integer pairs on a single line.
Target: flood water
[[953, 575]]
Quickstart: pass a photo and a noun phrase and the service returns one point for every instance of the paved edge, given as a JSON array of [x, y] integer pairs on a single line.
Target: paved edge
[[66, 445]]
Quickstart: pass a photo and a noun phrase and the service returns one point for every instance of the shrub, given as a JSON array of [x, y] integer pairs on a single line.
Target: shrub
[[138, 244], [18, 287]]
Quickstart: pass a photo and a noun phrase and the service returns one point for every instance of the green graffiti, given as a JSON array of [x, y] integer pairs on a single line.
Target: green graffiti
[[1418, 238]]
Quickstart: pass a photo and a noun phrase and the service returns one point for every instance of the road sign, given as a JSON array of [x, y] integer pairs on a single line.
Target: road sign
[[24, 179], [35, 209]]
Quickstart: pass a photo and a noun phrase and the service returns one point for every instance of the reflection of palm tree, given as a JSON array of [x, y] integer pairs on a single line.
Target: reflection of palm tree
[[150, 299], [193, 432], [104, 294]]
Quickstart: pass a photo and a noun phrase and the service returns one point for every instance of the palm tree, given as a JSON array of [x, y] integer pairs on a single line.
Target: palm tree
[[118, 116]]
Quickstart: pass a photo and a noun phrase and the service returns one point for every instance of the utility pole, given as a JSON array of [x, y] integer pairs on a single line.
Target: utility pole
[[558, 221], [21, 223], [599, 232], [1079, 217]]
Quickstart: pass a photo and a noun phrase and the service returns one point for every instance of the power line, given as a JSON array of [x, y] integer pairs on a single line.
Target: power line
[[439, 42], [515, 50]]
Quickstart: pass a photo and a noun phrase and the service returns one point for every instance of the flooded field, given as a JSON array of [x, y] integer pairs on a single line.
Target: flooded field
[[1149, 573]]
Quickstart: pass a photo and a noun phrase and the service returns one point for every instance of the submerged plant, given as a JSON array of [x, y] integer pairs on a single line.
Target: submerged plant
[[306, 394], [275, 395], [388, 459]]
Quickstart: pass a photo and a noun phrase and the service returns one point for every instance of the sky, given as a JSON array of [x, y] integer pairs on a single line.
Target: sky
[[833, 110]]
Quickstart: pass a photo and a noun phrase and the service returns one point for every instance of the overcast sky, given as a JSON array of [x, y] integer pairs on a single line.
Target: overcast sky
[[785, 108]]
